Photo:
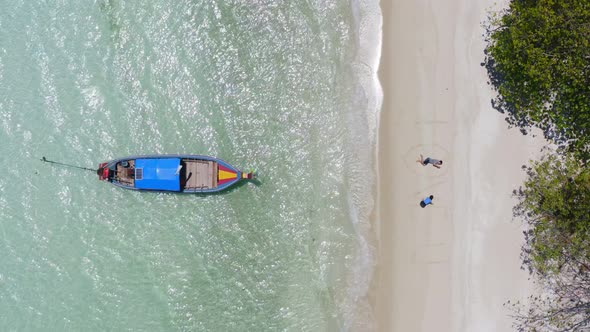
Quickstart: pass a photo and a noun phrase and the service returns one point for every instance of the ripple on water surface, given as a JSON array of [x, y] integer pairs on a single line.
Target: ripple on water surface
[[277, 86]]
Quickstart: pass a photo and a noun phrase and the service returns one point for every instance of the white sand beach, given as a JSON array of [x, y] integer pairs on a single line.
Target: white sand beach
[[449, 266]]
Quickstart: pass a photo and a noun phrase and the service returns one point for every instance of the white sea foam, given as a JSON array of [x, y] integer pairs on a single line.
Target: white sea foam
[[356, 312]]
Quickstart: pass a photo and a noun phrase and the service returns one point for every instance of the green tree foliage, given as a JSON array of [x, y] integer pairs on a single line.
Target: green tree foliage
[[554, 203], [538, 59]]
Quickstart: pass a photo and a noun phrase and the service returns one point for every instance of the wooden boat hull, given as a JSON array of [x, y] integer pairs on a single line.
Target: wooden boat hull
[[191, 174]]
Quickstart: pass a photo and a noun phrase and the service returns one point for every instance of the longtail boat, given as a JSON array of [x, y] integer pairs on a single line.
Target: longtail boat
[[172, 173]]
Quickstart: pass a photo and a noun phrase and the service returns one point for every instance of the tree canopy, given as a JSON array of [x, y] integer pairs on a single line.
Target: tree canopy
[[538, 59], [554, 203]]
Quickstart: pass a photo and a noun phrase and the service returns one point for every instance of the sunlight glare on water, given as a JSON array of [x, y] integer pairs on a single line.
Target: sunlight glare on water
[[273, 85]]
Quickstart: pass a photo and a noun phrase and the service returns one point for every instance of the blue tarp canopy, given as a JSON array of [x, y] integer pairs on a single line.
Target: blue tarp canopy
[[158, 174]]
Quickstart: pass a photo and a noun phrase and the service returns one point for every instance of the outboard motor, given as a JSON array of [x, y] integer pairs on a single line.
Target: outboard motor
[[103, 172]]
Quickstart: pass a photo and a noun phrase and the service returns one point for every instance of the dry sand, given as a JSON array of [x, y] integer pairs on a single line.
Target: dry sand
[[449, 266]]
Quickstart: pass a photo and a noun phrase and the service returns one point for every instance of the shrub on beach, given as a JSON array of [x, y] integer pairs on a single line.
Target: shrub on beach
[[538, 60], [554, 203]]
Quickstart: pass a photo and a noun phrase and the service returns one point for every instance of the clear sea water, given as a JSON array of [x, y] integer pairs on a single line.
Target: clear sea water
[[285, 87]]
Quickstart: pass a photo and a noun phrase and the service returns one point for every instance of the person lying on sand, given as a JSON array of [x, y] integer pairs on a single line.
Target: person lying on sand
[[435, 162], [426, 201]]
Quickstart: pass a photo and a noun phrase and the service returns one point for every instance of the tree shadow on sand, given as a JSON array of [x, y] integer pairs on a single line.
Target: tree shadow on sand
[[515, 117]]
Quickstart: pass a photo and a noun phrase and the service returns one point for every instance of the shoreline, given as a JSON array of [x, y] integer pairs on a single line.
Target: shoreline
[[449, 266]]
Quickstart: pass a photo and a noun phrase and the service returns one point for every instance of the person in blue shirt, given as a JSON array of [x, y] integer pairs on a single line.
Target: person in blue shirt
[[426, 201]]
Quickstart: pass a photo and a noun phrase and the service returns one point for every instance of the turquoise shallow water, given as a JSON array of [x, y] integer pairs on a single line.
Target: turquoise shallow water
[[279, 86]]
